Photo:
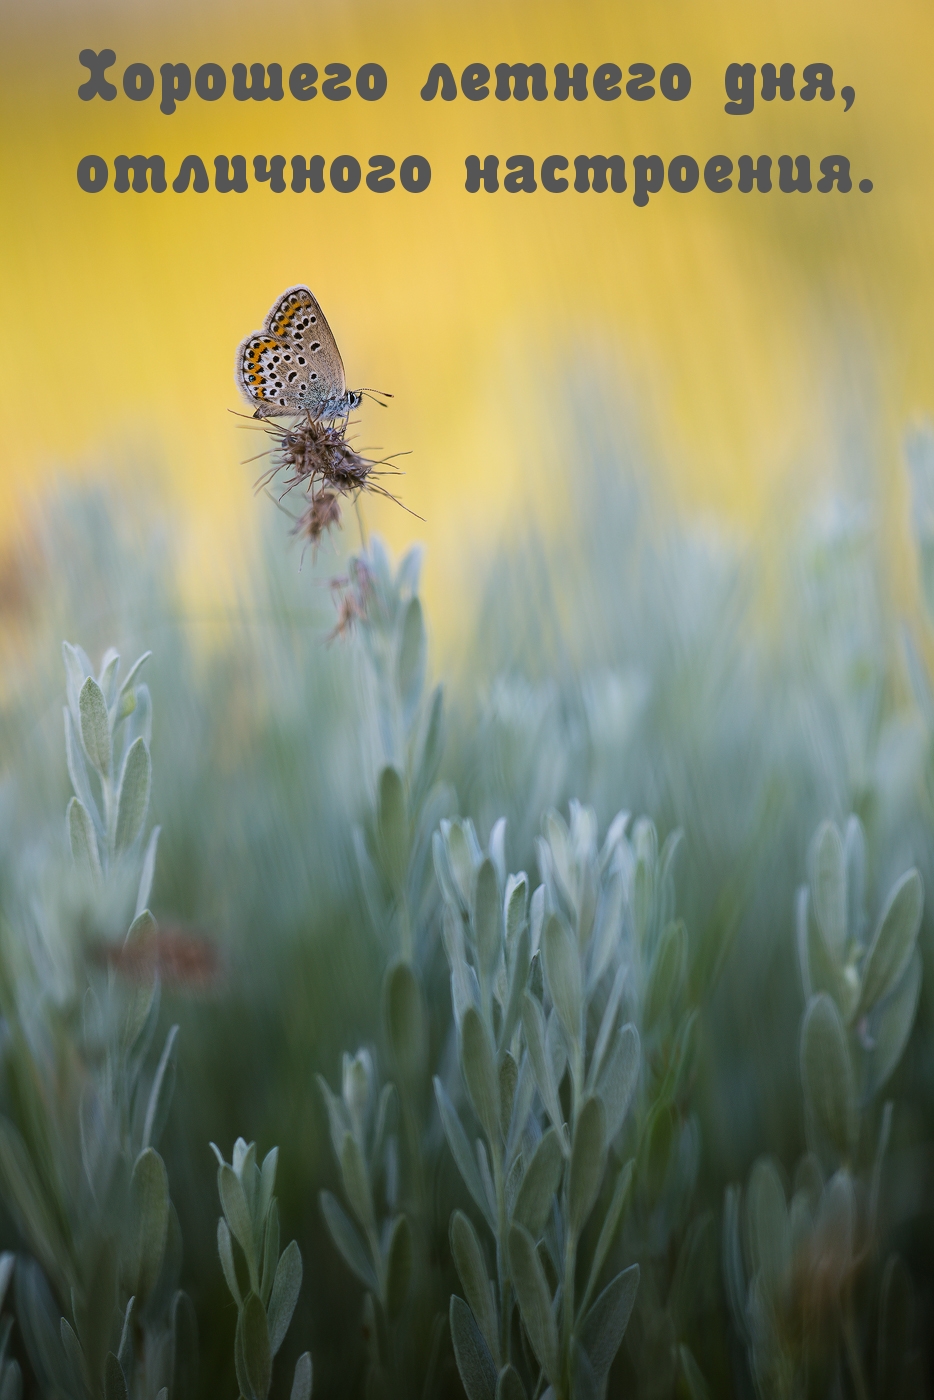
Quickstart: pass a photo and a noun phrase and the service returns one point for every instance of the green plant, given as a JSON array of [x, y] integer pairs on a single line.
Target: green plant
[[616, 1036], [794, 1268], [266, 1297]]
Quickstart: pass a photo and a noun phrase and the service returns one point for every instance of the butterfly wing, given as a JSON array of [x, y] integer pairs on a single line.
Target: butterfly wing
[[293, 363]]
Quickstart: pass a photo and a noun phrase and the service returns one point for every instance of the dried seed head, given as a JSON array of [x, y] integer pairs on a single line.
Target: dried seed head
[[317, 456], [323, 512], [352, 595], [317, 453]]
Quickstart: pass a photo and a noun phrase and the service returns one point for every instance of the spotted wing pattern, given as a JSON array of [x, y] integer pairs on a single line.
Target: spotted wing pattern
[[293, 363]]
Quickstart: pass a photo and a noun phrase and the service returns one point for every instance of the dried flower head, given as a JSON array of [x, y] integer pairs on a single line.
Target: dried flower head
[[318, 456], [351, 595], [323, 512]]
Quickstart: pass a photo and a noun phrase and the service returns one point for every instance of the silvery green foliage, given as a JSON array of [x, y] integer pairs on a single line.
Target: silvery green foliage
[[98, 1302], [394, 844], [792, 1267], [383, 1161], [374, 1235], [108, 731], [265, 1286], [538, 1170], [615, 904], [861, 985]]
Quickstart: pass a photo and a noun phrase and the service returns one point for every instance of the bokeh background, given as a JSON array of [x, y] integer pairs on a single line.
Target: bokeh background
[[730, 331]]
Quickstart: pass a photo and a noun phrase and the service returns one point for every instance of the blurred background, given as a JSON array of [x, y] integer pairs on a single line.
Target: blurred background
[[731, 329]]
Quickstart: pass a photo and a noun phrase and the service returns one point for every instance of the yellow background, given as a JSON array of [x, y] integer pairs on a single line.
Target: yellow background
[[730, 328]]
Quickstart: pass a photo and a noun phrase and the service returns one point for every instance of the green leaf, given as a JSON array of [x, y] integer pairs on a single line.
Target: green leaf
[[270, 1252], [828, 883], [487, 921], [160, 1095], [583, 1379], [225, 1250], [588, 1161], [107, 679], [768, 1233], [356, 1181], [608, 1229], [267, 1182], [82, 838], [237, 1214], [514, 905], [517, 985], [834, 1235], [30, 1206], [348, 1241], [607, 926], [478, 1066], [78, 772], [114, 1379], [338, 1118], [38, 1315], [666, 979], [602, 1330], [619, 1078], [562, 969], [827, 1075], [257, 1354], [132, 673], [74, 1355], [95, 730], [894, 940], [405, 1020], [541, 1182], [533, 1022], [77, 668], [693, 1376], [147, 872], [11, 1387], [460, 1150], [301, 1384], [509, 1385], [412, 659], [133, 801], [432, 744], [534, 1300], [398, 1267], [285, 1290], [508, 1080], [891, 1024], [393, 827], [819, 971], [149, 1217], [643, 887], [474, 1362], [471, 1270]]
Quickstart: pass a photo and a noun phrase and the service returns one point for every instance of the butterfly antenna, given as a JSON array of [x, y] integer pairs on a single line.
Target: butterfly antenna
[[372, 394]]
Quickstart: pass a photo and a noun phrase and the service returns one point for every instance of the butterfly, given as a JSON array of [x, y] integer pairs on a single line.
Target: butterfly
[[293, 364]]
